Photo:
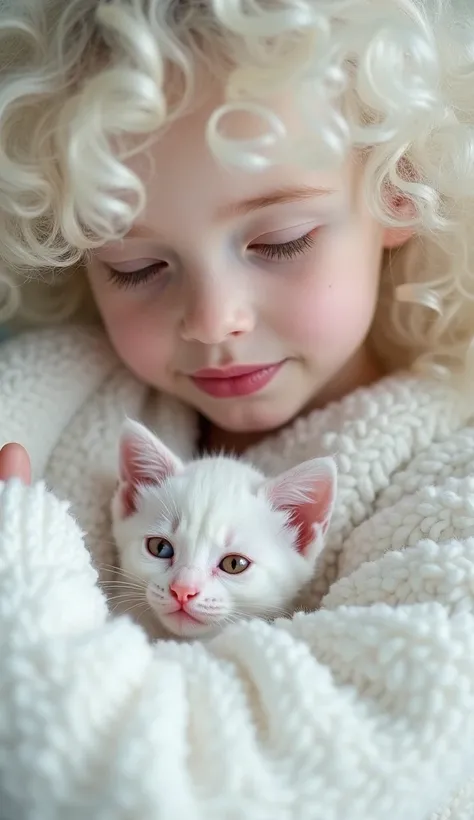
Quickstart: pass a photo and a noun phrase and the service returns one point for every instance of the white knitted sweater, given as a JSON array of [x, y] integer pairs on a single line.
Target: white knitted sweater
[[360, 710]]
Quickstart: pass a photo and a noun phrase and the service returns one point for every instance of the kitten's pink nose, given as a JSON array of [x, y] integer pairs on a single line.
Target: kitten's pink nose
[[183, 592]]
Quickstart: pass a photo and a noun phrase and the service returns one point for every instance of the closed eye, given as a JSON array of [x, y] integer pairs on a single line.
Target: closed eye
[[133, 279], [286, 250], [275, 251]]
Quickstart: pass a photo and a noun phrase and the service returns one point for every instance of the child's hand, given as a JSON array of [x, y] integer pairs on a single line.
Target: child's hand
[[15, 463]]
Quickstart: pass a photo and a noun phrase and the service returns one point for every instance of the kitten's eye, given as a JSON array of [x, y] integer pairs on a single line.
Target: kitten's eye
[[159, 547], [234, 564]]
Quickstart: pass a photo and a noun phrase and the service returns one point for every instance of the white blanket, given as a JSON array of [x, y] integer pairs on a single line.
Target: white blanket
[[361, 709]]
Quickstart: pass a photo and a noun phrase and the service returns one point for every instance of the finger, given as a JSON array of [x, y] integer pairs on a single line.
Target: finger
[[15, 463]]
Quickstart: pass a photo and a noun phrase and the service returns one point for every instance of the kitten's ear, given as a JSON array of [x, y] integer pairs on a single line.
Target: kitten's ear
[[143, 459], [307, 494]]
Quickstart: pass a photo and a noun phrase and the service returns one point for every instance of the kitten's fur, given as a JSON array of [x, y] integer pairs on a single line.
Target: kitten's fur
[[208, 509]]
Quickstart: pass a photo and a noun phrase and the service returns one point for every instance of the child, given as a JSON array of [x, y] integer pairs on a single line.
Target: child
[[271, 204]]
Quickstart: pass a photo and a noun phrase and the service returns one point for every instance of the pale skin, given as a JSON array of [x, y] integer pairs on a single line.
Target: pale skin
[[227, 267], [202, 281], [14, 463]]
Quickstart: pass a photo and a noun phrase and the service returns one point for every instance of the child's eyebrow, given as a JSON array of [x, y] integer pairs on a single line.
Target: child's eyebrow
[[281, 196]]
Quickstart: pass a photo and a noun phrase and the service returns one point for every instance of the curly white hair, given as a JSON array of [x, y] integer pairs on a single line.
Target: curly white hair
[[86, 83]]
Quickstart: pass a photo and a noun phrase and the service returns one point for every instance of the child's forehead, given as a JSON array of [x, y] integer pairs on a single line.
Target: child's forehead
[[180, 162], [188, 136]]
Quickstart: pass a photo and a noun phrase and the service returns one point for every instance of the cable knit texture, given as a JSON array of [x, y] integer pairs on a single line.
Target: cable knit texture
[[360, 707]]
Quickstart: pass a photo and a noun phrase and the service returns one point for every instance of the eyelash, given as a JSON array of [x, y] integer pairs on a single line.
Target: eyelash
[[284, 250], [135, 278], [287, 250]]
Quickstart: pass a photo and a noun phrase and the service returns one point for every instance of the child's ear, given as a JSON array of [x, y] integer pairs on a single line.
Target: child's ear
[[307, 494], [143, 459], [403, 209]]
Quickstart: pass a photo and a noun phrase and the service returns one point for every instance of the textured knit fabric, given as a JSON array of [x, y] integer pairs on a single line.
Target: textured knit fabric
[[362, 707]]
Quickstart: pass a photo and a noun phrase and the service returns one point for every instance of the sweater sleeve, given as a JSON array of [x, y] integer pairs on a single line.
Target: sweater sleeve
[[361, 710], [45, 376]]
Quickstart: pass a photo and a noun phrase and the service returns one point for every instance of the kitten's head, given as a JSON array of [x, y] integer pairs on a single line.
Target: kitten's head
[[214, 540]]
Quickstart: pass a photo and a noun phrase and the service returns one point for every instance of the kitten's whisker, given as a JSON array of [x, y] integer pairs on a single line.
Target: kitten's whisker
[[117, 607], [125, 591], [114, 567], [120, 602], [129, 575], [268, 617], [165, 508], [130, 594], [134, 606], [229, 619], [173, 513], [106, 567], [270, 608], [138, 591], [123, 584], [122, 573]]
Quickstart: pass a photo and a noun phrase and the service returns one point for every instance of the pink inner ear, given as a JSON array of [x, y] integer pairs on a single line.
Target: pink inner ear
[[306, 494], [303, 525], [141, 463], [144, 459]]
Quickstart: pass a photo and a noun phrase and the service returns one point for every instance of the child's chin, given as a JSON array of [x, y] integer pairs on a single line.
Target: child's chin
[[184, 626]]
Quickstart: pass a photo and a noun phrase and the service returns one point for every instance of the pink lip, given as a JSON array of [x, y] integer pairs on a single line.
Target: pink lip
[[229, 372], [184, 615], [242, 380]]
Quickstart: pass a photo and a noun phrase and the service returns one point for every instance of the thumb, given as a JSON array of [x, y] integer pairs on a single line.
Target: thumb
[[15, 463]]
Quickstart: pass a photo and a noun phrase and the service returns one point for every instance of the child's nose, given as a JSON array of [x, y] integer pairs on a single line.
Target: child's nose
[[213, 330], [214, 317], [183, 592]]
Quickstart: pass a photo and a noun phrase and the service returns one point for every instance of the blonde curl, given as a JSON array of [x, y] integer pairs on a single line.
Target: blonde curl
[[87, 83]]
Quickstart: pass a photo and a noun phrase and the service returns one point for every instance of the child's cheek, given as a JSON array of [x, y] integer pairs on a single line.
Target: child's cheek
[[332, 316], [142, 345]]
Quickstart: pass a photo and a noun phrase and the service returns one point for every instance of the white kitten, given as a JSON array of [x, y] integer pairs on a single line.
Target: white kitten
[[213, 540]]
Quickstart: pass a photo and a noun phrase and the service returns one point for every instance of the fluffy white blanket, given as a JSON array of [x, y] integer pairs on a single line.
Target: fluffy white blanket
[[362, 708]]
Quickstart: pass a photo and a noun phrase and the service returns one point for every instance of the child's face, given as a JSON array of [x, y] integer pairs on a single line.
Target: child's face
[[234, 268]]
